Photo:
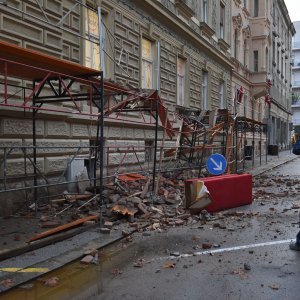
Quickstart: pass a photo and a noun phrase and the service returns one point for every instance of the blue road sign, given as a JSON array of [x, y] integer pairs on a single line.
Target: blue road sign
[[216, 164]]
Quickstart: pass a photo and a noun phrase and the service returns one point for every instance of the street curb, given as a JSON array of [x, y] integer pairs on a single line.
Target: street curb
[[64, 260], [272, 166], [45, 242]]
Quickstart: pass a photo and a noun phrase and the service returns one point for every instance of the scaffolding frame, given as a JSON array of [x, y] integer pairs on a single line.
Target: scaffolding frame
[[196, 134]]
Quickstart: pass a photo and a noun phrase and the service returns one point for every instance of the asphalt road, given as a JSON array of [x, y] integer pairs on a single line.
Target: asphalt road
[[249, 256]]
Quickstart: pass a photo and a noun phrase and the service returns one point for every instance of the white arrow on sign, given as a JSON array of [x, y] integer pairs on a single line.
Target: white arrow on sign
[[218, 166]]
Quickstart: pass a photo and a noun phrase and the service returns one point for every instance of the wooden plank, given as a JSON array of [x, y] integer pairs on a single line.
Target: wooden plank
[[62, 228]]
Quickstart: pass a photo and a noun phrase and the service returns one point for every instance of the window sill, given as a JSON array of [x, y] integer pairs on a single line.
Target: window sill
[[206, 30]]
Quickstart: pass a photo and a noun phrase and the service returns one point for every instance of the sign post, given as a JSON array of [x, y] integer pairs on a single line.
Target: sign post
[[216, 164]]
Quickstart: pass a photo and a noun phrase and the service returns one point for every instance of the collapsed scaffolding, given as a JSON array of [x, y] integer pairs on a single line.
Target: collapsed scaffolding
[[199, 133], [194, 134]]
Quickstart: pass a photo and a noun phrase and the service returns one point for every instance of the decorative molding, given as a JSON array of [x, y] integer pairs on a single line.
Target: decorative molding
[[206, 30], [237, 21], [184, 8], [223, 45], [247, 31], [237, 2]]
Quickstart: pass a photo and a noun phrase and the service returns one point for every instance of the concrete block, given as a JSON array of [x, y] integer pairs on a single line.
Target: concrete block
[[12, 25], [58, 145], [108, 224], [10, 143], [122, 143], [57, 129], [55, 164], [20, 127], [80, 131], [115, 158], [17, 166]]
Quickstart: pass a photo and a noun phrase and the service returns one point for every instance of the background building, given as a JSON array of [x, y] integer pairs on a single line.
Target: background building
[[281, 90], [296, 79]]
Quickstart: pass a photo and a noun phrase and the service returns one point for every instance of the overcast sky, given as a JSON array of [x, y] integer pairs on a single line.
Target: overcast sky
[[294, 9]]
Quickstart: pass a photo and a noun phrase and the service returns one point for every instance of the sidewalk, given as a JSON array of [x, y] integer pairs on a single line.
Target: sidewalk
[[272, 162], [56, 251]]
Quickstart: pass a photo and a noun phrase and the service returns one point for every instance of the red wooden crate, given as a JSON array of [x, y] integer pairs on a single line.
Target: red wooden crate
[[227, 191]]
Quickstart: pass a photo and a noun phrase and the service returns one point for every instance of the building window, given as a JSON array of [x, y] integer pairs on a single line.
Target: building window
[[259, 112], [205, 11], [235, 52], [92, 49], [255, 61], [147, 64], [245, 4], [256, 5], [273, 51], [221, 94], [245, 53], [180, 81], [204, 90], [222, 21], [267, 60]]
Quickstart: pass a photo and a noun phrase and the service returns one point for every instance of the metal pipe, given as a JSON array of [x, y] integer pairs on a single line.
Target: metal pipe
[[34, 149], [155, 141], [101, 146]]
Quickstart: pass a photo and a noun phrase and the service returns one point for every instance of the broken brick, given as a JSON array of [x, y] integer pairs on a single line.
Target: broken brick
[[206, 245], [87, 259], [179, 222], [143, 208], [108, 224]]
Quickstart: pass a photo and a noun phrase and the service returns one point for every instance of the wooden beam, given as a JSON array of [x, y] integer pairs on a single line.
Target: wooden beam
[[62, 228]]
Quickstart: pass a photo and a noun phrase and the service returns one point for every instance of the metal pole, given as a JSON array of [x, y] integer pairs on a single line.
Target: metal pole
[[155, 141], [244, 142], [260, 135], [253, 136], [34, 150], [236, 144], [101, 146], [156, 114]]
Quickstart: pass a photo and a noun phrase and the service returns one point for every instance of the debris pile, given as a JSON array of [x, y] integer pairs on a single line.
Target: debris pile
[[159, 210]]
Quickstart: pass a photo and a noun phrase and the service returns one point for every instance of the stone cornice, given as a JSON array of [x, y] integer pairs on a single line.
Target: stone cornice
[[184, 8], [206, 30], [223, 45]]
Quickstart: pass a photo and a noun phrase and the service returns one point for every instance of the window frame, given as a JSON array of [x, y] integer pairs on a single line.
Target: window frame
[[221, 94], [181, 78], [255, 8], [147, 61], [255, 61], [222, 20], [205, 11], [204, 90]]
